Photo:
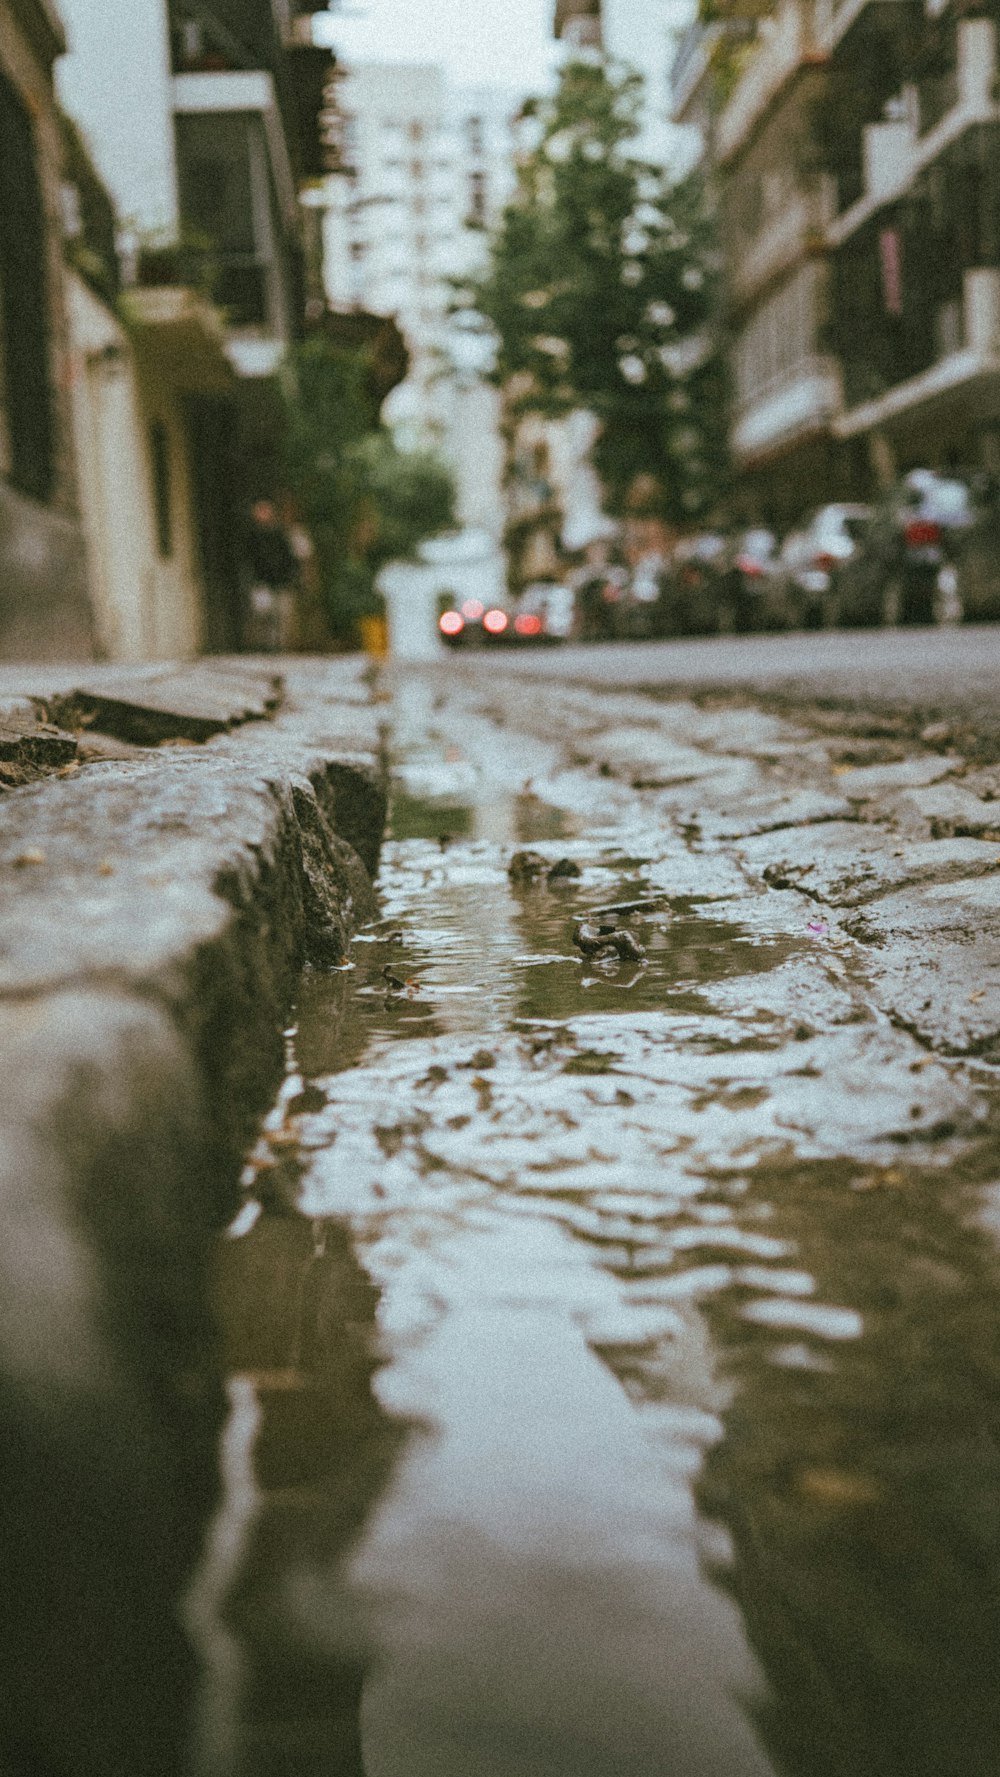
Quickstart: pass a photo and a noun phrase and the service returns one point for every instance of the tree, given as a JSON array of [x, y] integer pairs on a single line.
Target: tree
[[599, 291], [364, 502]]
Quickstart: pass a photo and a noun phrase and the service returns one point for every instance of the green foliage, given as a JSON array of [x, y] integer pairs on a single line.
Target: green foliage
[[413, 494], [364, 501], [601, 277]]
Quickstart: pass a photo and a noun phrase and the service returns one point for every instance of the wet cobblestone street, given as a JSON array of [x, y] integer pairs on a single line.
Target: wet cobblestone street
[[614, 1342]]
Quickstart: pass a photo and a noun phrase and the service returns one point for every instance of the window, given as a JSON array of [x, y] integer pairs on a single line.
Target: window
[[159, 455], [474, 128], [24, 307]]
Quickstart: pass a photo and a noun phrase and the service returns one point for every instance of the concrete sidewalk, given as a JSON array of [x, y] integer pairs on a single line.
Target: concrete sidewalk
[[173, 846]]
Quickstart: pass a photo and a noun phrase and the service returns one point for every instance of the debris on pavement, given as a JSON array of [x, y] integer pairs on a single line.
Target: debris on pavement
[[594, 940]]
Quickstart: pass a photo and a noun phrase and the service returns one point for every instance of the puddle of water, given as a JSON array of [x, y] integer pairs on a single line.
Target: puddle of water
[[624, 1371]]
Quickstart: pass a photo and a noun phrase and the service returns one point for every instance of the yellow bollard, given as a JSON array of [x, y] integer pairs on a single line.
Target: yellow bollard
[[375, 636]]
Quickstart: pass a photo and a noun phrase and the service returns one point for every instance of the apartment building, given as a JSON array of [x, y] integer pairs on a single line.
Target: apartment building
[[853, 146], [913, 132], [427, 168], [204, 122], [44, 608]]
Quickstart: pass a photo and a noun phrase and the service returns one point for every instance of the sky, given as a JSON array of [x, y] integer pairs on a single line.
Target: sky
[[504, 43]]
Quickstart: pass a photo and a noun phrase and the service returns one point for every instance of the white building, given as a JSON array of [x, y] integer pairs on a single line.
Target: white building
[[429, 168]]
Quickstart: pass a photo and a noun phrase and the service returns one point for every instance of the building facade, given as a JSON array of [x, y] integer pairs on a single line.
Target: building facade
[[853, 146], [427, 168], [205, 125], [44, 608]]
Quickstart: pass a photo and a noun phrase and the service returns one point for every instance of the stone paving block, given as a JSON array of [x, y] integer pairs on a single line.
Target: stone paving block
[[844, 863], [932, 959], [189, 702], [942, 811], [770, 813], [109, 1471]]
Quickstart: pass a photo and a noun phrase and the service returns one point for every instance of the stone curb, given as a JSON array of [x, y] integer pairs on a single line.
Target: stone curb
[[154, 912]]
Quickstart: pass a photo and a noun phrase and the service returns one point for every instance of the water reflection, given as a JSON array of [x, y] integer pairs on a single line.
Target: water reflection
[[708, 1473], [859, 1480], [298, 1315]]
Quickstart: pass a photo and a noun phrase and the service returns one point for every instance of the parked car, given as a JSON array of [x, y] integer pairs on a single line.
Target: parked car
[[750, 585], [811, 558], [906, 566], [691, 587], [977, 568], [471, 624], [600, 597], [546, 612]]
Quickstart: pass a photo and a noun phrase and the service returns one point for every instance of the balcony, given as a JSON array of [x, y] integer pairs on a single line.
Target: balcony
[[969, 361], [895, 153], [803, 402], [785, 43]]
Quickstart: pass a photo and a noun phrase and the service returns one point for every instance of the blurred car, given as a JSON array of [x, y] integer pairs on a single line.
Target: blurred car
[[810, 560], [600, 599], [750, 585], [906, 566], [977, 566], [691, 590], [472, 624], [546, 612]]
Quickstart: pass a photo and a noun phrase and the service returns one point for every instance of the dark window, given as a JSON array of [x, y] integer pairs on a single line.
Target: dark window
[[24, 310], [159, 453]]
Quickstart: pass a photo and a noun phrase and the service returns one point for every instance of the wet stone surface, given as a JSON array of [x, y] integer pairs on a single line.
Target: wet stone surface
[[616, 1380]]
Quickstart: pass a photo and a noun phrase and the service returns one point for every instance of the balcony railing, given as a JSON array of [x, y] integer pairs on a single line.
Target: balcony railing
[[802, 399], [895, 153], [784, 40], [237, 283]]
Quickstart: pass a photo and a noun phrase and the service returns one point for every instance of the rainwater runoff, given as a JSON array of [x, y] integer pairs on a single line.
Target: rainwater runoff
[[614, 1379]]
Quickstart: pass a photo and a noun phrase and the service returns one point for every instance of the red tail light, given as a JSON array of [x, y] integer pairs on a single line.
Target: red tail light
[[747, 564], [473, 610], [527, 623], [451, 623], [495, 622], [921, 533]]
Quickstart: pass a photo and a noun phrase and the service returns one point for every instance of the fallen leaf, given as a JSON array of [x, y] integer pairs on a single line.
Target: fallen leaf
[[105, 867], [33, 855], [974, 998]]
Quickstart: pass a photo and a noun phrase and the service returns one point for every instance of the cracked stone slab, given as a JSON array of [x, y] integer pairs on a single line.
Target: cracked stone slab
[[843, 863], [28, 746], [177, 703]]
